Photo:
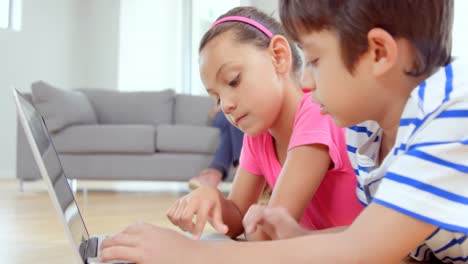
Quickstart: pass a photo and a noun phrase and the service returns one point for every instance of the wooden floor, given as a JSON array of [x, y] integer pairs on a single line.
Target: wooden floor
[[31, 233]]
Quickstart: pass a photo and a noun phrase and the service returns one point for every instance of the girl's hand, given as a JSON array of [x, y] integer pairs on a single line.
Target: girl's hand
[[276, 222], [205, 204]]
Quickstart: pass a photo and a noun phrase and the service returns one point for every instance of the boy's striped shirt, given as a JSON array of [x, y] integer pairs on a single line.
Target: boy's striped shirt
[[426, 174]]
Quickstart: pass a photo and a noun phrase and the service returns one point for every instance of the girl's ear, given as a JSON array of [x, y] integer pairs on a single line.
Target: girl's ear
[[383, 51], [281, 54]]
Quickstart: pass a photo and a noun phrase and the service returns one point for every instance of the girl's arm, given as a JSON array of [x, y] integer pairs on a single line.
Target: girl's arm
[[246, 190], [302, 173]]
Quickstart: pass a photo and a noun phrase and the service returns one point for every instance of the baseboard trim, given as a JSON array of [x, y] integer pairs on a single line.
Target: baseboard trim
[[125, 186], [141, 186]]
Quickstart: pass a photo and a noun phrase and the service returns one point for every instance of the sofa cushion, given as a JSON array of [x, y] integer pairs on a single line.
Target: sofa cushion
[[106, 139], [192, 110], [187, 139], [62, 108], [116, 107]]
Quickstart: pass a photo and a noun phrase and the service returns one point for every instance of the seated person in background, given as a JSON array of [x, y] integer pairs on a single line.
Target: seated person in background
[[226, 154]]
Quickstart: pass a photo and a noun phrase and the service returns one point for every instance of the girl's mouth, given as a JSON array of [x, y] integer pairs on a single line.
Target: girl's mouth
[[239, 119]]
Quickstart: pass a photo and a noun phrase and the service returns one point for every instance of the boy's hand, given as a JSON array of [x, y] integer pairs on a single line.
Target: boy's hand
[[205, 204], [276, 222], [146, 244]]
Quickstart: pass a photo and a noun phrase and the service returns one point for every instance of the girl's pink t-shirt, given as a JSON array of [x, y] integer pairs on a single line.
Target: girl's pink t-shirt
[[334, 203]]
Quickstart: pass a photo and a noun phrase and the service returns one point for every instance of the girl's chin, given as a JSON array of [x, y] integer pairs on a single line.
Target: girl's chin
[[253, 132]]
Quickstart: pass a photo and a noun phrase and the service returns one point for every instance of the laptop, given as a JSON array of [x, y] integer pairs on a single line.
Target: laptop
[[85, 248]]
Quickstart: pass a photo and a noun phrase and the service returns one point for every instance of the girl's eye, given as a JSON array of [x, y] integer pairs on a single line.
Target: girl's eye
[[235, 81], [218, 102]]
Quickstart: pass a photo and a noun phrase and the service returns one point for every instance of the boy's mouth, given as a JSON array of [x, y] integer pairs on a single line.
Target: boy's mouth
[[323, 109]]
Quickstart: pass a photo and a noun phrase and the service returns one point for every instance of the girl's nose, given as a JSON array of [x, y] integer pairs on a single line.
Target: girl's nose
[[228, 106]]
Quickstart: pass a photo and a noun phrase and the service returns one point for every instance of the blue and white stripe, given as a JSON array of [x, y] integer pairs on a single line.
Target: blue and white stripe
[[356, 136], [426, 174]]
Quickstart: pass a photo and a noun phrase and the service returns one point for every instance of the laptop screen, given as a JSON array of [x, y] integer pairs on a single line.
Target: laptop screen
[[54, 174]]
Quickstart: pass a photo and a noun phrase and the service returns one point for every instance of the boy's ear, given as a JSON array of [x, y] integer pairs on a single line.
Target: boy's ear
[[383, 50], [281, 54]]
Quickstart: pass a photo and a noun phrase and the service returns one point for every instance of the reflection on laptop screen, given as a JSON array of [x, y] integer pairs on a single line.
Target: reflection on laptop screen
[[55, 173]]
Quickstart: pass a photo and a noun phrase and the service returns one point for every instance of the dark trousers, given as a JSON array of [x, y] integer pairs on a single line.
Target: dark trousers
[[229, 148]]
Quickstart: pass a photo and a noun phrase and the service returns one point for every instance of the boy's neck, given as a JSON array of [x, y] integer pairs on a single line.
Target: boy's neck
[[386, 143], [392, 111], [396, 87]]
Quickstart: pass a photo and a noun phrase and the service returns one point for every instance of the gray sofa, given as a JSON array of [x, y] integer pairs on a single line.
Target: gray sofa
[[112, 135]]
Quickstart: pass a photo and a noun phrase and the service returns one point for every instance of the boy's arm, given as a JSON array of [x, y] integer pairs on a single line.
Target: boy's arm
[[379, 235]]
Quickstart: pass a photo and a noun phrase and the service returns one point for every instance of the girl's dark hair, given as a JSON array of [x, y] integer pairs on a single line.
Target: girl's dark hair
[[426, 24], [245, 33]]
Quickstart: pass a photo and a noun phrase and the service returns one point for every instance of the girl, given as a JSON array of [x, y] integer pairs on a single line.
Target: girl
[[248, 66]]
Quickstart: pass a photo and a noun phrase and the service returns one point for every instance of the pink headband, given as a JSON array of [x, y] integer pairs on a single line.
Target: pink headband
[[244, 20]]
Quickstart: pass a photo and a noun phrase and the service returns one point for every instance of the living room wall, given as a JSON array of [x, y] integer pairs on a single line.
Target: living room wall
[[97, 42], [151, 46], [69, 43], [65, 42], [75, 43]]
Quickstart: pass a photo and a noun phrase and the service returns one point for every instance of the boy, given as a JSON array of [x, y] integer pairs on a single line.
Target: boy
[[381, 60]]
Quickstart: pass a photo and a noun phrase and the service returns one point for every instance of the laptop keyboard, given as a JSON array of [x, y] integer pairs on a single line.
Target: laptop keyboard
[[90, 251]]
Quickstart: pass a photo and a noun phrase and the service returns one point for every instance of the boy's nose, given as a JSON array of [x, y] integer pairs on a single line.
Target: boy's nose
[[312, 85]]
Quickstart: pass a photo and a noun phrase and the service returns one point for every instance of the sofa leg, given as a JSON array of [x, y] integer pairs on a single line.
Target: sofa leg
[[73, 185], [85, 197], [21, 185]]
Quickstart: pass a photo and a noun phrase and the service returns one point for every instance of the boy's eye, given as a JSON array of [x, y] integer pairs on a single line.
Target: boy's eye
[[235, 81], [313, 62], [218, 102]]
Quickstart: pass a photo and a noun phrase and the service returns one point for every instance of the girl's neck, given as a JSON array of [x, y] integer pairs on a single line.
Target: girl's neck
[[283, 125]]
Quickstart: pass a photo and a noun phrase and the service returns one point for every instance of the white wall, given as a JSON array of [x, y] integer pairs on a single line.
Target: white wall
[[268, 6], [460, 38], [97, 43], [60, 42], [42, 50], [150, 45]]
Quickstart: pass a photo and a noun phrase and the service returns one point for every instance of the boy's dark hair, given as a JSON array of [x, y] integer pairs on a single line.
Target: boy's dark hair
[[426, 24], [245, 33]]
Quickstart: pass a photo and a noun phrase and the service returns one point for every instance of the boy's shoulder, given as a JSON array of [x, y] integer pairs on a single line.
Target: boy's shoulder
[[446, 85]]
